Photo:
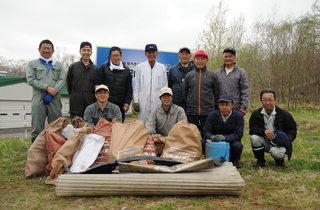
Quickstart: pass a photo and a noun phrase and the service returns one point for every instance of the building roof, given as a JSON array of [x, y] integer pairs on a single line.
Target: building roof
[[12, 80]]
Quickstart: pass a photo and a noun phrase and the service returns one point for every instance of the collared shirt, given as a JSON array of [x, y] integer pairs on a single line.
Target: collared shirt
[[94, 113], [269, 119], [227, 117]]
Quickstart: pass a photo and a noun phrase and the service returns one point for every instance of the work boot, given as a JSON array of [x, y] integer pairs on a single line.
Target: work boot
[[280, 163], [236, 163], [259, 154]]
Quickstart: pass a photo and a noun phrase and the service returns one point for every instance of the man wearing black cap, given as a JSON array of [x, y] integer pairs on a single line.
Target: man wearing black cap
[[118, 78], [234, 80], [177, 74], [227, 125], [80, 82], [150, 77]]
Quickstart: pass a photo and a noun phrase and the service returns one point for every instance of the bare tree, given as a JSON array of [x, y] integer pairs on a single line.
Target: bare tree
[[65, 58]]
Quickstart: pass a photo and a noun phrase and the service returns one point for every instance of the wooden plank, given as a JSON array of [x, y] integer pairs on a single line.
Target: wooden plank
[[222, 180]]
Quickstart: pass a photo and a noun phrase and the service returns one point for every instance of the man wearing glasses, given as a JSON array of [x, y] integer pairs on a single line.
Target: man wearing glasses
[[102, 108], [46, 76], [271, 128]]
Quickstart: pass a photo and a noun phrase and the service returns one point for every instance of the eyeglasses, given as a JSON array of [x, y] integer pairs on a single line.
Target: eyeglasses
[[267, 100], [46, 48]]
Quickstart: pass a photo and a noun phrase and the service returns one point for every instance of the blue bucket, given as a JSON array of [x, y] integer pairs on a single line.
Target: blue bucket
[[217, 149]]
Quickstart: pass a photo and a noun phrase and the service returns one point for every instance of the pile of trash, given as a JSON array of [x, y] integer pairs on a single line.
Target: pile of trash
[[78, 148]]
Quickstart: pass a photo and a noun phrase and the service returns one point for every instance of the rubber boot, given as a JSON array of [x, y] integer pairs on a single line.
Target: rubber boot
[[32, 140], [280, 163], [259, 154]]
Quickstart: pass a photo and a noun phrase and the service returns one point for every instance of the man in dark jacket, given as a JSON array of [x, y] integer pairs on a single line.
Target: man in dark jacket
[[177, 74], [118, 78], [225, 124], [200, 91], [263, 122], [80, 82]]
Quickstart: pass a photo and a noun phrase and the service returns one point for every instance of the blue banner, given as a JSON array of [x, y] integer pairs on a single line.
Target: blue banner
[[132, 58]]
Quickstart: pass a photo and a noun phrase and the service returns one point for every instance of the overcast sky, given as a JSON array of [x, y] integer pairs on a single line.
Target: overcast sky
[[131, 24]]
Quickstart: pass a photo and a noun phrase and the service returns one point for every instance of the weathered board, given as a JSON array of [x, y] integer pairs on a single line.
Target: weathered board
[[221, 180]]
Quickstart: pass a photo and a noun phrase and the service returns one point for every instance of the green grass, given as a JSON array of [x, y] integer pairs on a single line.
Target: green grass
[[297, 187]]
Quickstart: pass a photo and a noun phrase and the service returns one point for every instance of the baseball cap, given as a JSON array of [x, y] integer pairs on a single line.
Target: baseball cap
[[85, 44], [226, 98], [165, 90], [185, 48], [229, 49], [104, 87], [201, 52], [151, 47]]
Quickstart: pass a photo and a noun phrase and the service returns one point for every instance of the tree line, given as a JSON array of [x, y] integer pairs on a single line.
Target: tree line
[[282, 54]]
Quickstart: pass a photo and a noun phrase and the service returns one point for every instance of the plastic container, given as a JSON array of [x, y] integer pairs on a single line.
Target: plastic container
[[217, 149]]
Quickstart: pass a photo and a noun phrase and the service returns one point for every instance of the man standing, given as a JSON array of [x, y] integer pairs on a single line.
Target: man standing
[[163, 118], [234, 80], [200, 91], [150, 77], [102, 108], [227, 125], [177, 74], [80, 81], [117, 77], [263, 124], [46, 76]]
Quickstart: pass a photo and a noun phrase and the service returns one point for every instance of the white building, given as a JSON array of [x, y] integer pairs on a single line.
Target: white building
[[15, 102]]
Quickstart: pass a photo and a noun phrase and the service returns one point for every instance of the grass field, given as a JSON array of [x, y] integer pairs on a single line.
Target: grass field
[[297, 187]]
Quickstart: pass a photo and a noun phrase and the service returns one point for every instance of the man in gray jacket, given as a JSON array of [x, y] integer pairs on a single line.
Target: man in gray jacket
[[234, 81], [163, 118]]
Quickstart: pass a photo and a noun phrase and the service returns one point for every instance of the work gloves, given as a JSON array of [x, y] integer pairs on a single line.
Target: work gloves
[[136, 107], [217, 137], [47, 99], [243, 112]]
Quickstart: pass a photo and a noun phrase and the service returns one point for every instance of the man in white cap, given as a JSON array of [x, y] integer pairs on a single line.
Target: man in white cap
[[163, 118], [102, 108]]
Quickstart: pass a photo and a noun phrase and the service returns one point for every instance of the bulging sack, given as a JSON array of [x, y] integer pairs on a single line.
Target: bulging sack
[[183, 143]]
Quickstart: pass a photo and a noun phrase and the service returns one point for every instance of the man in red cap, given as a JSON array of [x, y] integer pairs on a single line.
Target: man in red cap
[[200, 91]]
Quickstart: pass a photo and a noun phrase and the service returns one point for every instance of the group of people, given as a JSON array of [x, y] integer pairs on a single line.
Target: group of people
[[214, 101]]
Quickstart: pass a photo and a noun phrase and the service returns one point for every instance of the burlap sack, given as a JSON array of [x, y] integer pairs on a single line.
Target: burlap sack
[[78, 122], [103, 128], [159, 141], [127, 139], [37, 154], [65, 154], [183, 143], [53, 144]]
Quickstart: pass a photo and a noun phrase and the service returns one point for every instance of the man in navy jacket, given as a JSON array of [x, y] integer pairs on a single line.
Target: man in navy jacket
[[226, 124]]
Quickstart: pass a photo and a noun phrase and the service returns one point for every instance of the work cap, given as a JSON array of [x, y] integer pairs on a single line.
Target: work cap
[[165, 90], [184, 48], [104, 87], [151, 47], [201, 52], [229, 49], [226, 98], [85, 44]]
